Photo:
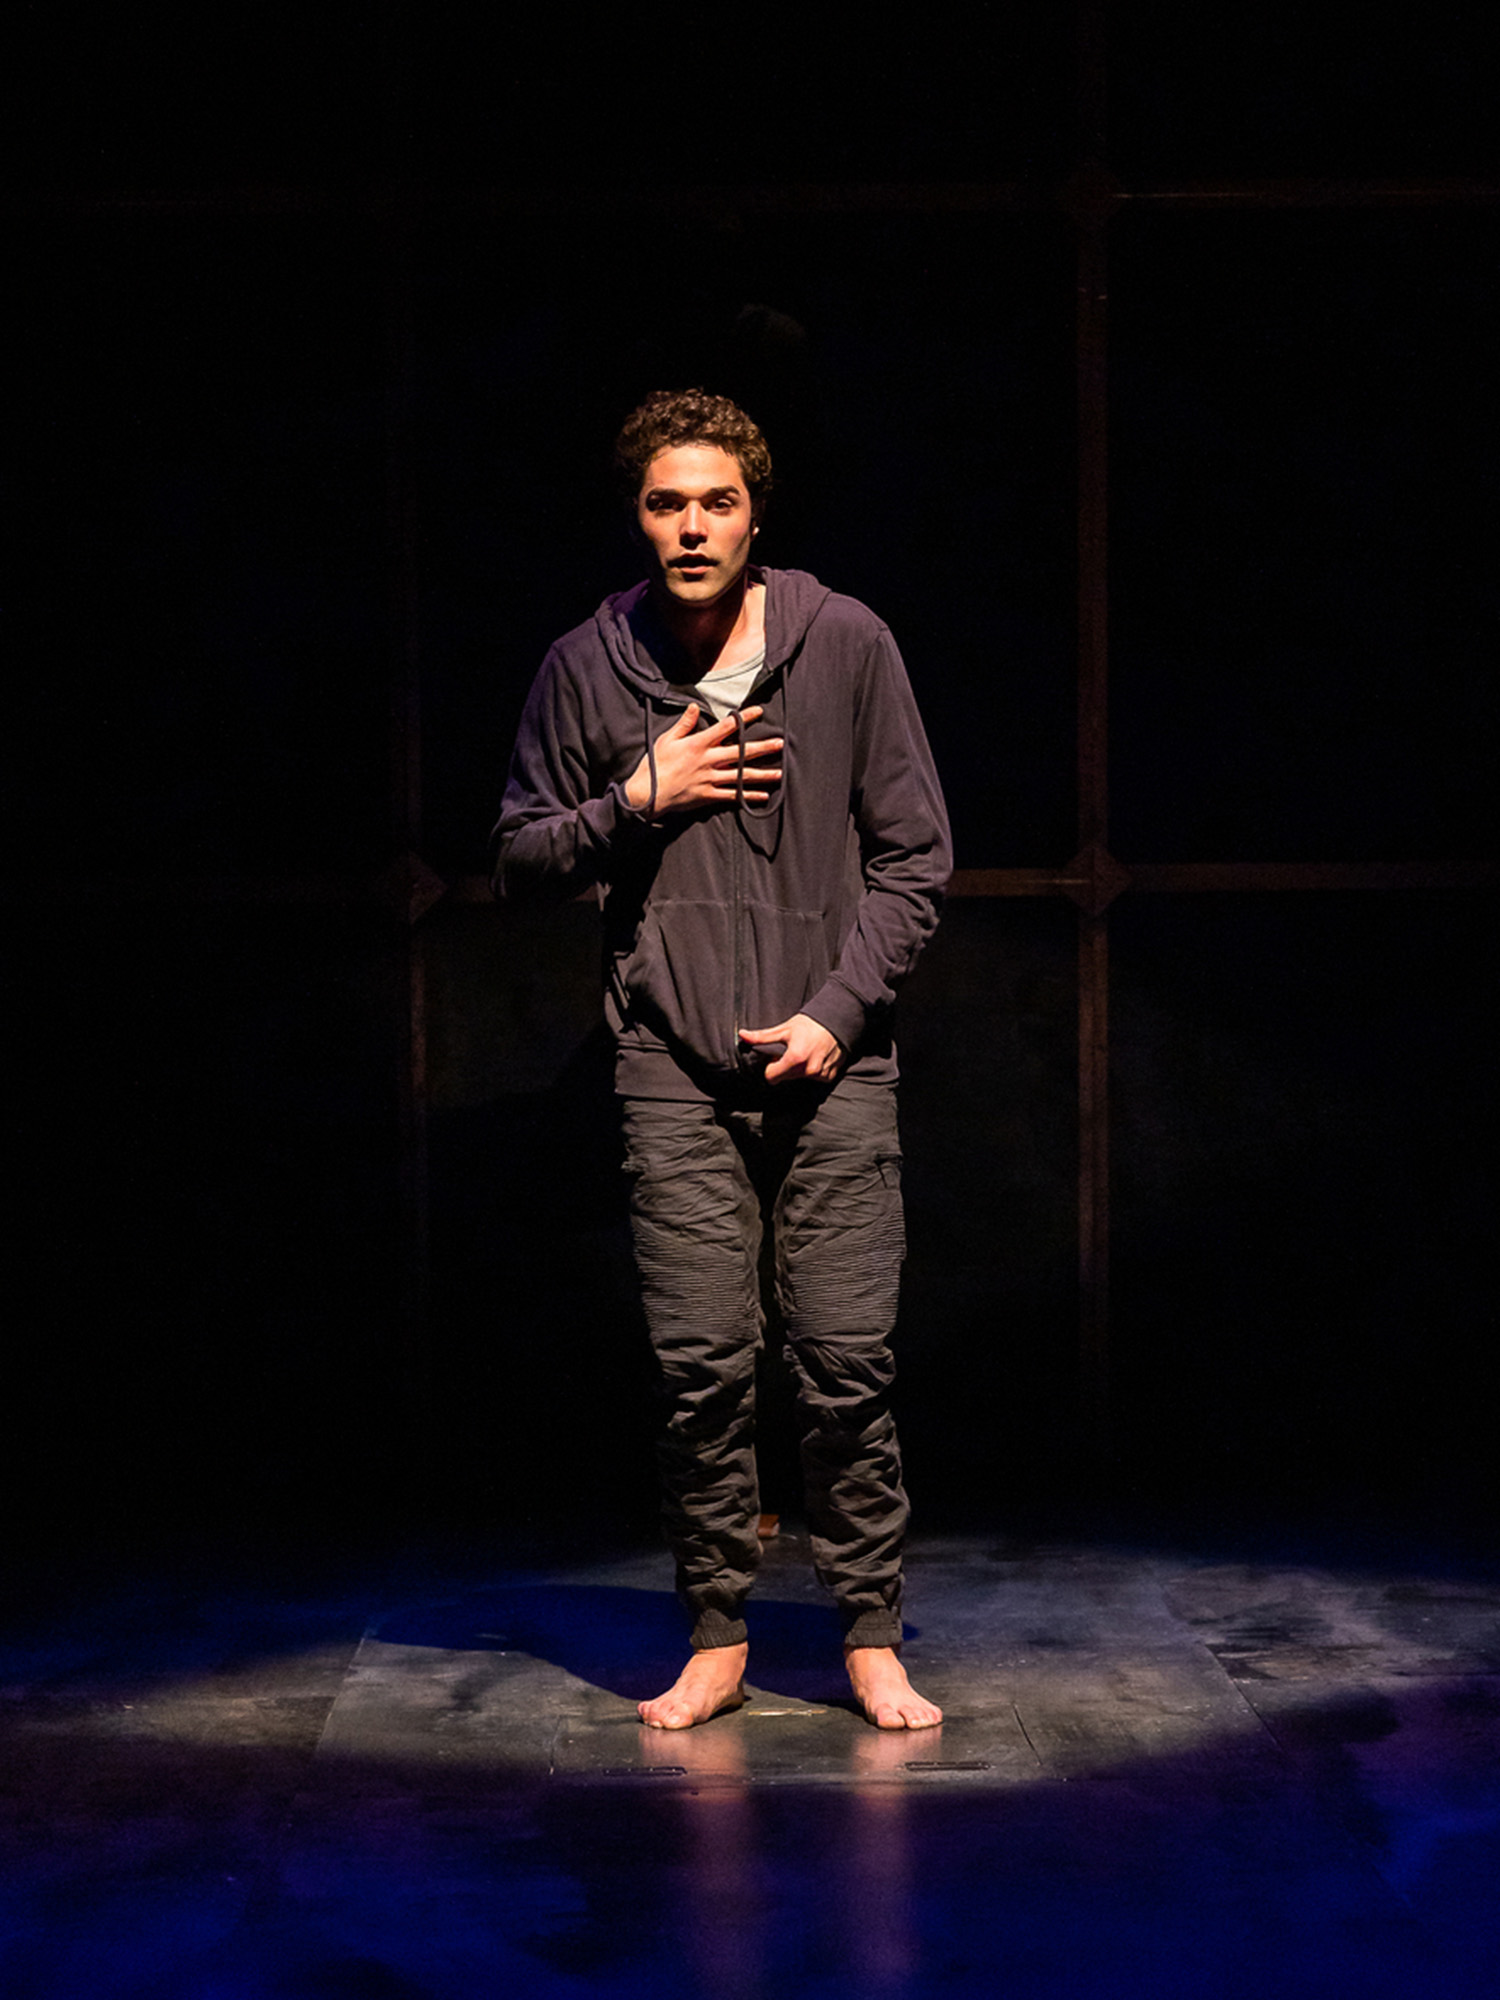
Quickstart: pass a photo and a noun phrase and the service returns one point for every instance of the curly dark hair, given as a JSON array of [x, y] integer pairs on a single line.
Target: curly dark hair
[[671, 417]]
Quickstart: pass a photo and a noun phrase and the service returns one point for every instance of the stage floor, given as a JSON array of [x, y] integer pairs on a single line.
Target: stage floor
[[1162, 1773]]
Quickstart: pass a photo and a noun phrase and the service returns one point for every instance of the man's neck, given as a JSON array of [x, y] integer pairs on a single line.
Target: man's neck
[[715, 632]]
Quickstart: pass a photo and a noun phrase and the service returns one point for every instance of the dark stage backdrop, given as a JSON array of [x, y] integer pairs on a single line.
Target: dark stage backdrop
[[318, 339]]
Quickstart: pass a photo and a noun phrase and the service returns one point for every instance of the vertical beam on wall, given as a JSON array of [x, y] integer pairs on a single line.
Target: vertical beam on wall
[[1091, 199], [1093, 1176], [409, 885]]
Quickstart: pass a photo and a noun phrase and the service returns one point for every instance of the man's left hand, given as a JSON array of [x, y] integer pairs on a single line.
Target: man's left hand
[[811, 1053]]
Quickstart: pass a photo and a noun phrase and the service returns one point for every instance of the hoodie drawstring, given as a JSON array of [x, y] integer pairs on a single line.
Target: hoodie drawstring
[[650, 759], [772, 805], [741, 803]]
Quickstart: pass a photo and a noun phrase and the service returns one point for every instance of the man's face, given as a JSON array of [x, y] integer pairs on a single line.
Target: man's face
[[694, 511]]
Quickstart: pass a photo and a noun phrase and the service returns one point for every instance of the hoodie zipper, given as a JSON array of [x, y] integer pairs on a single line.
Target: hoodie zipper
[[736, 1053], [740, 1057]]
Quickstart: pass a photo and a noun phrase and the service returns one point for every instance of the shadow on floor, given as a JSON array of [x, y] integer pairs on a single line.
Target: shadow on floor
[[622, 1639]]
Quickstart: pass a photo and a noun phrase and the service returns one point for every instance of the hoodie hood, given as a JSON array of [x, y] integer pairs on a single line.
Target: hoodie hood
[[636, 642]]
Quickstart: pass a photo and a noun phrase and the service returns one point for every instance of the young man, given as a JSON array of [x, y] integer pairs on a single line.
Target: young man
[[732, 756]]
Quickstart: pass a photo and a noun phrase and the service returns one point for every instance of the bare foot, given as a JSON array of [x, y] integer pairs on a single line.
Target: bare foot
[[884, 1693], [712, 1681]]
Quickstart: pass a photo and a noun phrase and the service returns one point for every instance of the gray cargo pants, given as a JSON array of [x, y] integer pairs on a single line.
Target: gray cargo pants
[[823, 1170]]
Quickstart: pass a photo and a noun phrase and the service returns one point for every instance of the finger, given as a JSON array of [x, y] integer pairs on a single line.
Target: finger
[[787, 1066], [777, 1034], [687, 722], [731, 722], [726, 726], [761, 747], [728, 759], [726, 784], [728, 795]]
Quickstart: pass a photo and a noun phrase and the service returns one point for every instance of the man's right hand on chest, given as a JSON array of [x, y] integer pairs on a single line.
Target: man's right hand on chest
[[698, 767]]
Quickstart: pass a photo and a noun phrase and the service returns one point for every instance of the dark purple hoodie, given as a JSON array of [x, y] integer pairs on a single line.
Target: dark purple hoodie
[[736, 917]]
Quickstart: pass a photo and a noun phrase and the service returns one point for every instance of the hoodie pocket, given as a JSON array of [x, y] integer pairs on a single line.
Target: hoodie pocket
[[677, 978], [784, 960], [696, 974]]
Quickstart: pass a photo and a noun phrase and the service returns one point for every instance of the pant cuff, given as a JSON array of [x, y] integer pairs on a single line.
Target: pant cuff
[[713, 1628], [873, 1628]]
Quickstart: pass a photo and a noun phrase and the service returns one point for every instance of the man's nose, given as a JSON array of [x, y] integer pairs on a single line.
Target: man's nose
[[694, 522]]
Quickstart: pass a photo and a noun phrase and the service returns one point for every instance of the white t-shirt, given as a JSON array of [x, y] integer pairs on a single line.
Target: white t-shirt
[[728, 688]]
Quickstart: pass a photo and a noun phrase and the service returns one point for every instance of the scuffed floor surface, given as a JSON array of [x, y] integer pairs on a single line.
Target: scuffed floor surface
[[1160, 1774]]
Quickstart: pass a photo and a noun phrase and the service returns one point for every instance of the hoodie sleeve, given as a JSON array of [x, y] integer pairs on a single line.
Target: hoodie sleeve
[[906, 852], [563, 821]]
